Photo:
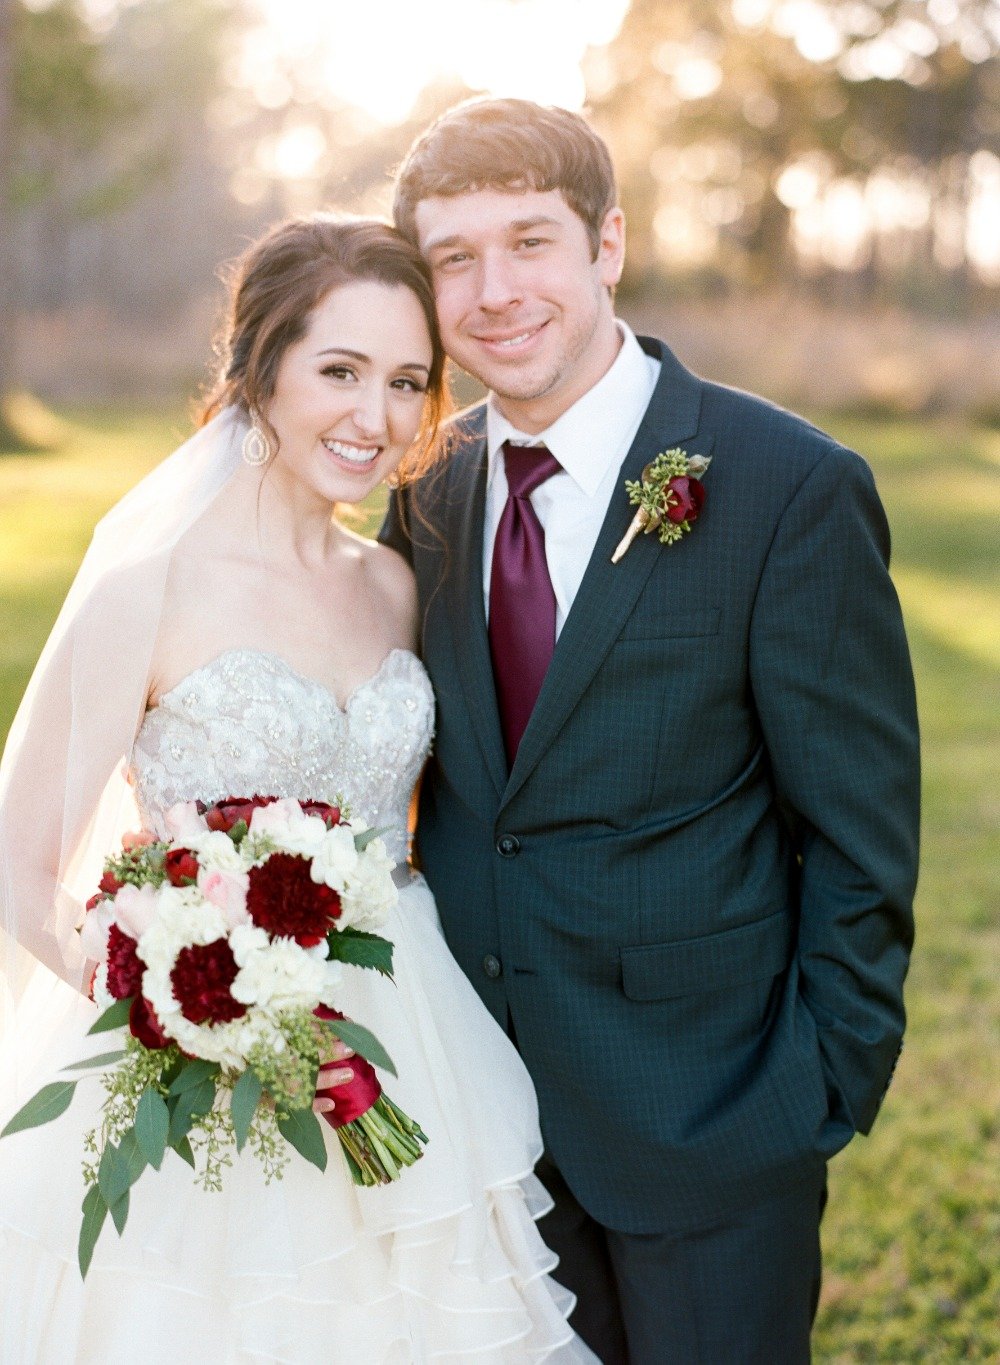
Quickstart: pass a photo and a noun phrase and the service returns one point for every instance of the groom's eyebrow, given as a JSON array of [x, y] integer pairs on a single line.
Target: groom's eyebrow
[[537, 220], [515, 226]]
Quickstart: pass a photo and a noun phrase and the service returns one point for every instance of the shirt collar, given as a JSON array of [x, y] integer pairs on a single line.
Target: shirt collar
[[589, 436]]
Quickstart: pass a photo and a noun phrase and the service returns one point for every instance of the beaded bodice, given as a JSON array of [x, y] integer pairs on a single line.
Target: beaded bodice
[[247, 723]]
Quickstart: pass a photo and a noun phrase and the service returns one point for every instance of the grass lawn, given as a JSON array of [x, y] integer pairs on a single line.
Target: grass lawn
[[912, 1234]]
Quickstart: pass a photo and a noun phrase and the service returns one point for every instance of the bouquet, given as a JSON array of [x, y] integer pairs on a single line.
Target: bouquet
[[220, 951]]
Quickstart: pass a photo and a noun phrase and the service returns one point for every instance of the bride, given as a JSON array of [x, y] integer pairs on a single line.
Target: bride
[[225, 635]]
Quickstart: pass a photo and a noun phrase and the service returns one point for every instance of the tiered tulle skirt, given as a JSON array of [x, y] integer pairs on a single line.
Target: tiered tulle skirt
[[445, 1264]]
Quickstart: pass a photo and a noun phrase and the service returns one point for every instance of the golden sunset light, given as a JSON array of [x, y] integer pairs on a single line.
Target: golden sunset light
[[380, 57]]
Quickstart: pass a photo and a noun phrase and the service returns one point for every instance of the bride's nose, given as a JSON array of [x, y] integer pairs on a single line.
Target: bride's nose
[[370, 411]]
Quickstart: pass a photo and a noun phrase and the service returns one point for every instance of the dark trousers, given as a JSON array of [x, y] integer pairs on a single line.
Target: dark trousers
[[742, 1291]]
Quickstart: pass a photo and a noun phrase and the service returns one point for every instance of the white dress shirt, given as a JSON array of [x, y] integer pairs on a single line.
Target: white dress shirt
[[590, 440]]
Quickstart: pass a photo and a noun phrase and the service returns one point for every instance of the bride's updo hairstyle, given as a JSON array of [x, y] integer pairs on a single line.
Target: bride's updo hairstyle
[[274, 287]]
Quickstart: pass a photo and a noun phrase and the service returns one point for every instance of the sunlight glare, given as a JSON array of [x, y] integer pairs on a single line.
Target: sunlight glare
[[379, 57]]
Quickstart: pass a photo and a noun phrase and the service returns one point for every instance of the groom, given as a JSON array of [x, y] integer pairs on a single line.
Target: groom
[[671, 815]]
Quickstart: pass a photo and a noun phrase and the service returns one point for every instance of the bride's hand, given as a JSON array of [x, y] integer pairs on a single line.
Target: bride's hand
[[331, 1074]]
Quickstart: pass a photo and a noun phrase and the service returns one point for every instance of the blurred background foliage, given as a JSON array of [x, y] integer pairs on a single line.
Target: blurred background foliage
[[840, 156]]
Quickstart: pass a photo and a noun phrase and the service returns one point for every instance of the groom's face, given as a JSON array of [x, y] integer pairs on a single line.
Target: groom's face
[[522, 302]]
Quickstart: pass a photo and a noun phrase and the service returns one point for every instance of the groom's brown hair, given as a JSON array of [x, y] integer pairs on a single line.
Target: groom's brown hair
[[508, 145]]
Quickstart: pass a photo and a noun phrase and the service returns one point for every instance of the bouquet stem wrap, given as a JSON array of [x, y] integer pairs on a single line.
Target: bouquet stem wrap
[[377, 1137]]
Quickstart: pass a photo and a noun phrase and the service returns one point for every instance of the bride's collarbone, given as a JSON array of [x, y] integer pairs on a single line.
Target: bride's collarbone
[[332, 631]]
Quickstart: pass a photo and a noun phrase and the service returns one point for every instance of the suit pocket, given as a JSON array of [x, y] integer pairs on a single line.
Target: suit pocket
[[713, 962], [678, 622]]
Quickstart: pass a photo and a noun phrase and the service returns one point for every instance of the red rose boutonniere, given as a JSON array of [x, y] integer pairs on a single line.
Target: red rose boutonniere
[[669, 497]]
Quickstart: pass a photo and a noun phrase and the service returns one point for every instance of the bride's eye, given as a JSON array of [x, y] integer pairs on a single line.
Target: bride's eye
[[339, 372], [409, 385]]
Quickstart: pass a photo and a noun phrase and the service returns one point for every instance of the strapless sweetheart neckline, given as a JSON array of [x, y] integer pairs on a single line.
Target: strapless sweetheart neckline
[[251, 651]]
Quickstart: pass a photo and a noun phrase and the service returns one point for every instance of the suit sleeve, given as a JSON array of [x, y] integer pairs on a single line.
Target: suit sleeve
[[833, 687]]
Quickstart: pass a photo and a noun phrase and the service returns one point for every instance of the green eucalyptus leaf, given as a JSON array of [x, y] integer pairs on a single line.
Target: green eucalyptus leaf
[[243, 1105], [119, 1213], [188, 1105], [302, 1130], [102, 1059], [132, 1155], [364, 838], [95, 1210], [113, 1175], [51, 1101], [362, 1041], [152, 1126], [183, 1149], [115, 1016], [193, 1074]]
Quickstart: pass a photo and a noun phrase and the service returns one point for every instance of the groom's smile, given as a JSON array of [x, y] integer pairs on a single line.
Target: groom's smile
[[523, 303]]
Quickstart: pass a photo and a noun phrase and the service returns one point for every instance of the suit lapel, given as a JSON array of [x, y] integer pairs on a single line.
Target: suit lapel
[[608, 592], [464, 538]]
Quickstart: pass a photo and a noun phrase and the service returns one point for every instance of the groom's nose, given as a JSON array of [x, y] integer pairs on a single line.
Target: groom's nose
[[498, 286]]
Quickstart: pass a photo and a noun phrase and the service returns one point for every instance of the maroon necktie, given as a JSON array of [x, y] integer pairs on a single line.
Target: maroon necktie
[[522, 603]]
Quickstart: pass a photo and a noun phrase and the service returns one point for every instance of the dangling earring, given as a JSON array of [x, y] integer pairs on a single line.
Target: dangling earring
[[256, 450]]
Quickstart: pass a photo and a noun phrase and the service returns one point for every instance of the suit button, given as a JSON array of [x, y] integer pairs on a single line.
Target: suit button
[[492, 966], [508, 845]]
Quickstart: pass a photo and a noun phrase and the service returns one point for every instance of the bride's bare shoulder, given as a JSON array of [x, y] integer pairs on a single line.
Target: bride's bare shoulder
[[391, 580]]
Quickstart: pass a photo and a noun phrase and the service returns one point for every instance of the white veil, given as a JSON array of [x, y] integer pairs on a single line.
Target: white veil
[[64, 794]]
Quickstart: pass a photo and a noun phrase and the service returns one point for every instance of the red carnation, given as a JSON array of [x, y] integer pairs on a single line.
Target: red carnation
[[125, 968], [181, 867], [144, 1024], [688, 496], [225, 814], [284, 900], [110, 883], [96, 899], [201, 978]]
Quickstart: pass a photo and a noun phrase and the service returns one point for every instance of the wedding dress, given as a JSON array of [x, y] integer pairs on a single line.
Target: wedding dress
[[446, 1262]]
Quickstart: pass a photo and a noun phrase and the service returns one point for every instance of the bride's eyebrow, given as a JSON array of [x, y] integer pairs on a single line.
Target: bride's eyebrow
[[342, 350], [366, 360]]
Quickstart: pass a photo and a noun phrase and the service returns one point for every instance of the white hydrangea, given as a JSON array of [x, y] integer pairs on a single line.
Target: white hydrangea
[[370, 893], [336, 859], [228, 1044], [217, 852], [280, 974]]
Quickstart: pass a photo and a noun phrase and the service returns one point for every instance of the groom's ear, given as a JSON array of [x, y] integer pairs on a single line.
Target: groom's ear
[[611, 248]]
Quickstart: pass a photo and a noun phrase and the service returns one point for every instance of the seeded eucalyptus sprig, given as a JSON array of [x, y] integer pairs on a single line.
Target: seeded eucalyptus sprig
[[663, 498]]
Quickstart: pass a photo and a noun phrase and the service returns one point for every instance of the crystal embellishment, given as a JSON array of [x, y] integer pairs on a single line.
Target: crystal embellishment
[[248, 722]]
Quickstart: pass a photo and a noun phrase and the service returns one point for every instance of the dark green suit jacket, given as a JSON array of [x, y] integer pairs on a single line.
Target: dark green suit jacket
[[692, 896]]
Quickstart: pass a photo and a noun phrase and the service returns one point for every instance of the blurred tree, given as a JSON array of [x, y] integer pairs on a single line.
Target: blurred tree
[[7, 437], [708, 104], [107, 109]]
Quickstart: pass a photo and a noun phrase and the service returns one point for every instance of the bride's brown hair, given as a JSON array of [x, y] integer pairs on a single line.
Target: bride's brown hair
[[276, 284]]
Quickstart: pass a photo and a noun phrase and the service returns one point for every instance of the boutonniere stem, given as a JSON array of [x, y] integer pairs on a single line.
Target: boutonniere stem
[[669, 498]]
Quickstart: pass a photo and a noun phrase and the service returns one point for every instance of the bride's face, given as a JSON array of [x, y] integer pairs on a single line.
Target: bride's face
[[349, 395]]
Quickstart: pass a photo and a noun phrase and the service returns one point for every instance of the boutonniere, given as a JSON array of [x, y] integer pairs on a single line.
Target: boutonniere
[[669, 497]]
